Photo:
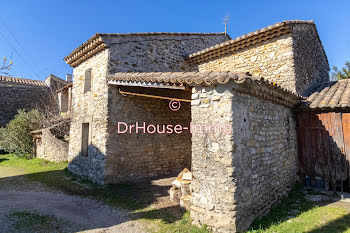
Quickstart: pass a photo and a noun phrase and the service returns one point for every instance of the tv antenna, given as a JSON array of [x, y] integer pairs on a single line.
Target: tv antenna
[[226, 19]]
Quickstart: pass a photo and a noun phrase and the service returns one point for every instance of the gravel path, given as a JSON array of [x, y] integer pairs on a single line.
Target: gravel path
[[85, 214]]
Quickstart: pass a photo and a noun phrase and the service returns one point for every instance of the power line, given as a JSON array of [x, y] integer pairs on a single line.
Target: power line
[[20, 45], [13, 46]]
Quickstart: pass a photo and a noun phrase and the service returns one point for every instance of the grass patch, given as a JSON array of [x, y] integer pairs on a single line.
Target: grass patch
[[125, 196], [293, 214], [34, 222], [289, 207], [296, 214], [316, 220], [183, 225], [57, 176]]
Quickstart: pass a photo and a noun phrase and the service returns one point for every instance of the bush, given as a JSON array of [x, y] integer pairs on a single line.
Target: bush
[[16, 137]]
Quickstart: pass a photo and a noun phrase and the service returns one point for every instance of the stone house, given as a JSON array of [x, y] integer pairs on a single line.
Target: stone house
[[20, 93], [64, 99], [235, 130]]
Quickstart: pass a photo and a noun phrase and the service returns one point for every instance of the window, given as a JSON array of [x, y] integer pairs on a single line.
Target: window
[[87, 80], [85, 139]]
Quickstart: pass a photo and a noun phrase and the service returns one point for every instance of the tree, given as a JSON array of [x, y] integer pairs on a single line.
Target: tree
[[344, 73], [5, 67], [16, 137]]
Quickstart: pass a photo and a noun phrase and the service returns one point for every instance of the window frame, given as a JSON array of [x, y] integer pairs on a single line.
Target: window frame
[[88, 77]]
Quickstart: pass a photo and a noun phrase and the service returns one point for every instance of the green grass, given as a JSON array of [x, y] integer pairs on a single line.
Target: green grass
[[34, 223], [293, 214], [126, 196], [319, 219]]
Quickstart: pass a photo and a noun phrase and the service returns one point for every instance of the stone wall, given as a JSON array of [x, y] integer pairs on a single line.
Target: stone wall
[[156, 53], [125, 54], [89, 107], [132, 156], [310, 60], [296, 60], [51, 148], [16, 96], [272, 59], [239, 176]]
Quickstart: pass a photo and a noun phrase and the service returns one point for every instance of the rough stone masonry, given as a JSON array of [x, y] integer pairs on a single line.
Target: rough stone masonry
[[239, 176], [236, 176]]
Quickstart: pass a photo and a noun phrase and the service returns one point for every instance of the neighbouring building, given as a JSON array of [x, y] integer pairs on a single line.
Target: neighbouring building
[[120, 95], [323, 127], [20, 93], [64, 99]]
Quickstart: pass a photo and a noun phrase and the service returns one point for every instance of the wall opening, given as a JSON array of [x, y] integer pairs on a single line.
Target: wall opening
[[87, 80], [85, 139]]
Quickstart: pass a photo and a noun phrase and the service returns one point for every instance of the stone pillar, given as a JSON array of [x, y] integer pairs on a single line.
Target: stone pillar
[[213, 201]]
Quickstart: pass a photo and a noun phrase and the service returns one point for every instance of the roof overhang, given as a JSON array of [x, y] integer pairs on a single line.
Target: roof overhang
[[146, 84], [242, 82], [247, 40]]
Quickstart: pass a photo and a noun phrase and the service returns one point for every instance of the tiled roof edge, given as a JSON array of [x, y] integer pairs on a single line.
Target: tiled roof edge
[[24, 81], [279, 95], [96, 44], [245, 40], [328, 96]]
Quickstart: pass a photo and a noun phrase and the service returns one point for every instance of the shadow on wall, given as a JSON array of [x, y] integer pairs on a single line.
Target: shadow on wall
[[127, 197], [322, 152]]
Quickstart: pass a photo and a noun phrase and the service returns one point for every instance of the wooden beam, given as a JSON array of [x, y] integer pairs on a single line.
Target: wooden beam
[[146, 84], [153, 96]]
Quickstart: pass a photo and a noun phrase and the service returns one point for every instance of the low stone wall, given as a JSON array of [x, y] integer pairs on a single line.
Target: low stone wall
[[51, 148], [240, 175]]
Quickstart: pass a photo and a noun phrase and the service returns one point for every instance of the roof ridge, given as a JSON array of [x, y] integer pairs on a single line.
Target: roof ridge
[[96, 43], [9, 79], [251, 34], [160, 33]]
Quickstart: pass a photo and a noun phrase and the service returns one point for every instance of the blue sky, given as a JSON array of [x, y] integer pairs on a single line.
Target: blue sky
[[37, 35]]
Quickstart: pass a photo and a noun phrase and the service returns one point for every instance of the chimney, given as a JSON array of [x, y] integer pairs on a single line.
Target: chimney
[[69, 78]]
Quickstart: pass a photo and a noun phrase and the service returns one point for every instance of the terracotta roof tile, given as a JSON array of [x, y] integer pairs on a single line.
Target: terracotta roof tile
[[329, 96], [266, 89], [96, 43], [9, 80], [246, 40]]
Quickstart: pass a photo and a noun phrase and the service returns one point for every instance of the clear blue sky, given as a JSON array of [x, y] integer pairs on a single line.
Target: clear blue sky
[[42, 33]]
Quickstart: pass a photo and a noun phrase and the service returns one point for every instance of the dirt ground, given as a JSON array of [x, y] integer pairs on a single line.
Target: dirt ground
[[329, 198], [18, 194]]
